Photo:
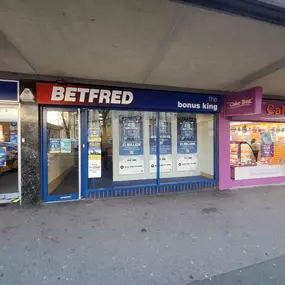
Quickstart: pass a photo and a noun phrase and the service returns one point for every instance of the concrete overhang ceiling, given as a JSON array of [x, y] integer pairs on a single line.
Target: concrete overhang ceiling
[[153, 42]]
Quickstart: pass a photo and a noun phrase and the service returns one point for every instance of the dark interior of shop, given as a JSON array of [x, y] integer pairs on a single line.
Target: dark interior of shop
[[9, 182], [8, 157]]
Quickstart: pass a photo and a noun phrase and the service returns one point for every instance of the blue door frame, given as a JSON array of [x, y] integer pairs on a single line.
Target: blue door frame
[[83, 163], [84, 153], [44, 158]]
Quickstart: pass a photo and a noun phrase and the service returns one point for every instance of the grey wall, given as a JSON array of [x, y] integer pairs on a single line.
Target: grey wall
[[30, 153]]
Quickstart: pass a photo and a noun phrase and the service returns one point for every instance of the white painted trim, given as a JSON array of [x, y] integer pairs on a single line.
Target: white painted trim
[[256, 186], [19, 155], [61, 201], [9, 80], [259, 171]]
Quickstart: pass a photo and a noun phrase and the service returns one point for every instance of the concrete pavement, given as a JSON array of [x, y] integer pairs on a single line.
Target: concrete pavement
[[269, 272], [173, 239]]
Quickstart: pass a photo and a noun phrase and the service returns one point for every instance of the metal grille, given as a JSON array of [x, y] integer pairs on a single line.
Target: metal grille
[[152, 190]]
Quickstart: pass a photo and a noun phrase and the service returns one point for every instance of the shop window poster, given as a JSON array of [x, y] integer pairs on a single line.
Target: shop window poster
[[131, 135], [165, 137], [131, 165], [3, 156], [54, 145], [165, 164], [266, 144], [94, 131], [13, 137], [187, 162], [65, 145], [131, 159], [165, 147], [94, 160], [186, 144], [152, 136], [109, 132], [186, 135], [13, 126]]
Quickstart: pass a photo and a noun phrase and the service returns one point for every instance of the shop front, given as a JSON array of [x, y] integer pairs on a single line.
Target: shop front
[[252, 129], [106, 142], [10, 182]]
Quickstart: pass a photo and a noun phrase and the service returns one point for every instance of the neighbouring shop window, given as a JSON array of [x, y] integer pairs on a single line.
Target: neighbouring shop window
[[258, 145], [8, 150], [123, 148]]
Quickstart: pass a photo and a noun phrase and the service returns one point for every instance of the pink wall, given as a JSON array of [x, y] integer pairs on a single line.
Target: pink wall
[[225, 181], [224, 153]]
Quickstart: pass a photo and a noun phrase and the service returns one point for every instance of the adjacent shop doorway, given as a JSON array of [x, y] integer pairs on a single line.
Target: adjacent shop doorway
[[9, 154], [61, 174]]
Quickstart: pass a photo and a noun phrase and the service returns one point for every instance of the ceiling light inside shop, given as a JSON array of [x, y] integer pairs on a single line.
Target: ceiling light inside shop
[[238, 123]]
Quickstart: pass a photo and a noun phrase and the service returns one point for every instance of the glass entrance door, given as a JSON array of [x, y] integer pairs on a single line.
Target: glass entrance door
[[62, 154]]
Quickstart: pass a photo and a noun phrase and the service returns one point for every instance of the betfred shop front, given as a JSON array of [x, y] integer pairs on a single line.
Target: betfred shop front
[[106, 142], [252, 129]]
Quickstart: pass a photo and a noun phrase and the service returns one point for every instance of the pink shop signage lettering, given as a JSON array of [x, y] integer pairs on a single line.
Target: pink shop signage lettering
[[240, 103], [247, 102]]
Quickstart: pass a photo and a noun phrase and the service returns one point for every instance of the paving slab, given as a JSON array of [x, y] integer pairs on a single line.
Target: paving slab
[[167, 239]]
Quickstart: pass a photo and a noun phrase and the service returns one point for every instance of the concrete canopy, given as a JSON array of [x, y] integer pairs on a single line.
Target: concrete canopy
[[153, 42]]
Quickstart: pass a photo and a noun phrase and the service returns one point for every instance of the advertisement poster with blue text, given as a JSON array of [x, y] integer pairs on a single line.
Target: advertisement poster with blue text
[[54, 145], [165, 146], [131, 150], [186, 144]]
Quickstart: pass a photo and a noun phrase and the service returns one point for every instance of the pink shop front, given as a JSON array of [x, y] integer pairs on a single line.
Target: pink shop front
[[251, 140]]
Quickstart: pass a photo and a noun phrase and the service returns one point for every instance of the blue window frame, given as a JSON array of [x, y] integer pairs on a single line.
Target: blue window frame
[[124, 190]]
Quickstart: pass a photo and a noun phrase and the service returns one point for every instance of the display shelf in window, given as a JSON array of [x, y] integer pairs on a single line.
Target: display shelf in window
[[234, 157], [241, 154]]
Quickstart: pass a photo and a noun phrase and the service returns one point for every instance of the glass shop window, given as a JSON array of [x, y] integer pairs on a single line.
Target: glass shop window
[[118, 149], [123, 148]]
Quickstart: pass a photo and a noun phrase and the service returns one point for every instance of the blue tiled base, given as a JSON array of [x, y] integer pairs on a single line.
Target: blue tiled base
[[152, 190]]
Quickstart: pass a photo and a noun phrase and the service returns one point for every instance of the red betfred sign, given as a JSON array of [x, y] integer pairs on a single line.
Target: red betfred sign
[[56, 94]]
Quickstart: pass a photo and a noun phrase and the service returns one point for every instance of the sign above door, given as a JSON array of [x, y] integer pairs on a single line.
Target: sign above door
[[126, 98]]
